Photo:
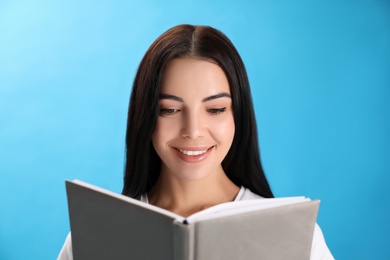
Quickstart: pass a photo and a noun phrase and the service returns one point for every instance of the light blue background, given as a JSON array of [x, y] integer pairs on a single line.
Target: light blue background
[[320, 77]]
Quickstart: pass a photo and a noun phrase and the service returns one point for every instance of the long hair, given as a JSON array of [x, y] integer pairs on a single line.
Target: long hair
[[242, 163]]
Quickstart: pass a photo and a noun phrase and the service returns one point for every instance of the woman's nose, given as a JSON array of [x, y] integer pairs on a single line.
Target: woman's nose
[[192, 126]]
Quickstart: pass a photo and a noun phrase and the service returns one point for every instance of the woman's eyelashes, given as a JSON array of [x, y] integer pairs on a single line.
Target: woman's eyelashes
[[173, 111], [168, 111], [216, 111]]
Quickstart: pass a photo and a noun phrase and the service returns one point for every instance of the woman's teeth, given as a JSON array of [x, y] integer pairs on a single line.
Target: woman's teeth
[[192, 153]]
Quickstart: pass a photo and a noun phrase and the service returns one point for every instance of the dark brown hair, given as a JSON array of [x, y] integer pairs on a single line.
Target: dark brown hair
[[242, 163]]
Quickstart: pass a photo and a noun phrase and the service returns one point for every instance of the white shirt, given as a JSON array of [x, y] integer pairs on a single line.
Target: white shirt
[[319, 249]]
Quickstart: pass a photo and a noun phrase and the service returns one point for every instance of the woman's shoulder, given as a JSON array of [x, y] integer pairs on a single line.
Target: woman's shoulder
[[66, 252], [247, 194]]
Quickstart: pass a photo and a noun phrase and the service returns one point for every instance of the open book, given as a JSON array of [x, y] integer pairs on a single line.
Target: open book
[[107, 225]]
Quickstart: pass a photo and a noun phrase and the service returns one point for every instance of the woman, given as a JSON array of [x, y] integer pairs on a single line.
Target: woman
[[191, 140]]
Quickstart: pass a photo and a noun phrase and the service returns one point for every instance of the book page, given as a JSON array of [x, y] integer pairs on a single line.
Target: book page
[[238, 207]]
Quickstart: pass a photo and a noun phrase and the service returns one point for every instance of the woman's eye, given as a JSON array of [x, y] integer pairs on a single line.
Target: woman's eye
[[216, 111], [168, 111]]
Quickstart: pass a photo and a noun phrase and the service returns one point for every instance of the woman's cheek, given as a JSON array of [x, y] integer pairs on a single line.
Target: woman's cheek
[[223, 128]]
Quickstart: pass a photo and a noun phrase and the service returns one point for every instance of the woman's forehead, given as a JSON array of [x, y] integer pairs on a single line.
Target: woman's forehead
[[190, 75]]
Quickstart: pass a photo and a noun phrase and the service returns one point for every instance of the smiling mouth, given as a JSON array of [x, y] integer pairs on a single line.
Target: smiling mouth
[[192, 153]]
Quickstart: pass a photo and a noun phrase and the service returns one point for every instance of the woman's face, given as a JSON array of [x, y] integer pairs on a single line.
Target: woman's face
[[195, 126]]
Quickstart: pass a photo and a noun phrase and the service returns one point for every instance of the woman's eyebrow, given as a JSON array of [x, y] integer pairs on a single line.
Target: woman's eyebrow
[[171, 97], [176, 98], [220, 95]]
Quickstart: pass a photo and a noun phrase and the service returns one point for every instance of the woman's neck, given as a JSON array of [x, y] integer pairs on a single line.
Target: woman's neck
[[185, 197]]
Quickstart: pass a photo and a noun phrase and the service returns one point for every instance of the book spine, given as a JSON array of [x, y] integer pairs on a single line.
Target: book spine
[[183, 241]]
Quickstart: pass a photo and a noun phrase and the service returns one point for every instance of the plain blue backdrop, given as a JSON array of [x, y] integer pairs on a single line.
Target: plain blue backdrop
[[320, 78]]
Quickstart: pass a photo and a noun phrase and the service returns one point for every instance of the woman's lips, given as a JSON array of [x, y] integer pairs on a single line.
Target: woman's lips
[[193, 155]]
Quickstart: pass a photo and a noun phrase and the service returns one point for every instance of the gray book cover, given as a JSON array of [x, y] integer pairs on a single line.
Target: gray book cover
[[105, 225]]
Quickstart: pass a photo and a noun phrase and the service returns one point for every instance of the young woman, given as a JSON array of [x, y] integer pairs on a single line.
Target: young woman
[[191, 140]]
